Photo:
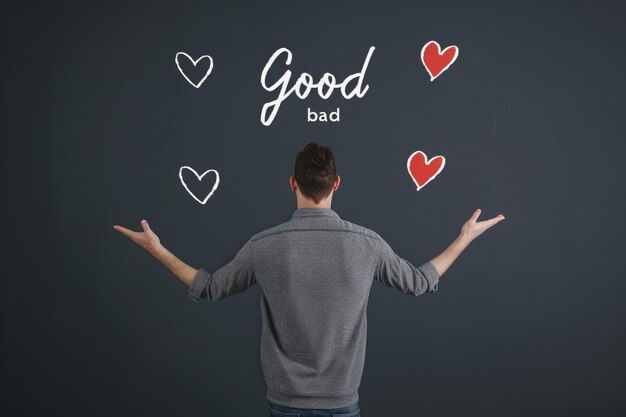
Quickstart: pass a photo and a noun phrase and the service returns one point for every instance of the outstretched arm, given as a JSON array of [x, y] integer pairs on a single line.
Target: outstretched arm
[[152, 244], [394, 271], [470, 231]]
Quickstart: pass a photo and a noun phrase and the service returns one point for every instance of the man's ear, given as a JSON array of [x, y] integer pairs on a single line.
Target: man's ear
[[337, 181], [292, 183]]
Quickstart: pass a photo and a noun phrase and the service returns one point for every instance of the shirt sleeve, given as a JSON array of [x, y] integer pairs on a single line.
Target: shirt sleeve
[[234, 277], [396, 272]]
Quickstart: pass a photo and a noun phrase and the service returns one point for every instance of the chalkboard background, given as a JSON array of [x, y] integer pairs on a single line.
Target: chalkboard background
[[97, 120]]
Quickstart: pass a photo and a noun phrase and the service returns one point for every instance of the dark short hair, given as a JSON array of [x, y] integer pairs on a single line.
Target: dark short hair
[[315, 171]]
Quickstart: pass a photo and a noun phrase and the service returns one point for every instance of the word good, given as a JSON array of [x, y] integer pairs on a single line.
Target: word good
[[199, 178], [312, 116], [195, 64], [303, 86], [437, 61], [422, 169]]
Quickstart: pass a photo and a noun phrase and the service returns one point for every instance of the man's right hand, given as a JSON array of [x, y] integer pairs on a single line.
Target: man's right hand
[[151, 243], [146, 239]]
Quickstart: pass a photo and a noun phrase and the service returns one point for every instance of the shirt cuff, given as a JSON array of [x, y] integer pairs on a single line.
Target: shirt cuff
[[198, 287], [430, 272]]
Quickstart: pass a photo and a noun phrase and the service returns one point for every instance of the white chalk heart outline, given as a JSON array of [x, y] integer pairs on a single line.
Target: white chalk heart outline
[[195, 63], [217, 182]]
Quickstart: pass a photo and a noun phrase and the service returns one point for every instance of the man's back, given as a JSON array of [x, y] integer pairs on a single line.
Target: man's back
[[315, 273]]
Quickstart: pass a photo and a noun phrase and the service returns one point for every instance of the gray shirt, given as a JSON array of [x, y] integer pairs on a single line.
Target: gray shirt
[[315, 274]]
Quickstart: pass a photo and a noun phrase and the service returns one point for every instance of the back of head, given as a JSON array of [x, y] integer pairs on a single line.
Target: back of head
[[315, 171]]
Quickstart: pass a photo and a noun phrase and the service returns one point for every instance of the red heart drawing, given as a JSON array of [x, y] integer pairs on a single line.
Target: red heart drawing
[[422, 169], [437, 61]]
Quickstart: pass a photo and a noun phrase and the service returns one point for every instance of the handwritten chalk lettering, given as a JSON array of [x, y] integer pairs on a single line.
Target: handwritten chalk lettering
[[303, 86], [312, 116]]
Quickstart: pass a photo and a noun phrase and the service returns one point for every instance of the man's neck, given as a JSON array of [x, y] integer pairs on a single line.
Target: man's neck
[[306, 203]]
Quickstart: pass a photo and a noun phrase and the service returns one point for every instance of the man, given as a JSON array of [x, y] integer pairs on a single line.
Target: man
[[315, 272]]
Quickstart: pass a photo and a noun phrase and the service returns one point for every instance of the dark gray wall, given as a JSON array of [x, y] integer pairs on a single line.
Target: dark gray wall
[[96, 121]]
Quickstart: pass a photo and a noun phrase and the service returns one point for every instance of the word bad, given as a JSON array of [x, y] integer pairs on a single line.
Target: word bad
[[304, 84], [312, 116]]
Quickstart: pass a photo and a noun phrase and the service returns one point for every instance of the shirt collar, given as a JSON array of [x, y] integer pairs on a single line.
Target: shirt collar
[[314, 211]]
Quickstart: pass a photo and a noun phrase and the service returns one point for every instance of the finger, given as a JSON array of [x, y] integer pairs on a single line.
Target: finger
[[488, 223], [145, 225], [475, 215], [127, 232]]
